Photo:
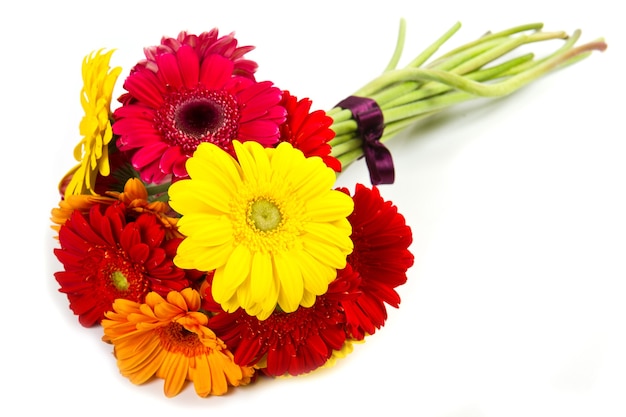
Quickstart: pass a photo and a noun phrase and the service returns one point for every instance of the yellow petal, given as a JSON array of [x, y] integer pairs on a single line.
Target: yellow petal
[[291, 282], [335, 205], [232, 275], [206, 229], [262, 282]]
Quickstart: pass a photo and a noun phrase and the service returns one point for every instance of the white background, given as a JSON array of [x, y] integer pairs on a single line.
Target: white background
[[515, 305]]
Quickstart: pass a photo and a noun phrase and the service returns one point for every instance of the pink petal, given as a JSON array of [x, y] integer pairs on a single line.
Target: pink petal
[[171, 160], [169, 72], [260, 131], [215, 71], [145, 87], [189, 65]]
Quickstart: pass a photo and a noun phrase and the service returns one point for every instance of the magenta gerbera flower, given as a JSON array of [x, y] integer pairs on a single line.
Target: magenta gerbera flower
[[205, 44], [188, 100]]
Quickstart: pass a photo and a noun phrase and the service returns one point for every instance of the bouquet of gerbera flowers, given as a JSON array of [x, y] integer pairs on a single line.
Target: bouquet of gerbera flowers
[[202, 227]]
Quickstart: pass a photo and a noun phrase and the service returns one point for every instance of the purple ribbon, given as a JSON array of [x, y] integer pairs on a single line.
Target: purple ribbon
[[370, 125]]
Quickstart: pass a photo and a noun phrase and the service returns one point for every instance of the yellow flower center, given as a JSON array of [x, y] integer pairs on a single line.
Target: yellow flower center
[[265, 215], [266, 224], [119, 281]]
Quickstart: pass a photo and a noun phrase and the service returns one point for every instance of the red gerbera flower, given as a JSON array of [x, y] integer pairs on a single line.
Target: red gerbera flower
[[288, 343], [190, 100], [381, 239], [205, 44], [105, 257], [308, 131]]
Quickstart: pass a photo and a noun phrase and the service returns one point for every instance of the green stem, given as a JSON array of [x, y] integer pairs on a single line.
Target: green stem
[[154, 190], [397, 53], [409, 94]]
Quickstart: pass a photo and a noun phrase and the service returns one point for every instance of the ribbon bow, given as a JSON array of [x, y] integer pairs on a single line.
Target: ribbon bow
[[370, 125]]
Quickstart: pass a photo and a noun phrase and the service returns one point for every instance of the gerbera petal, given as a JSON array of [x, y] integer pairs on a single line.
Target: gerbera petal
[[174, 371], [311, 179], [262, 131], [170, 159], [215, 230], [215, 71], [141, 362], [291, 282], [326, 234], [315, 282], [169, 73], [217, 364], [148, 368], [145, 86], [327, 252], [254, 163], [192, 255], [189, 66], [139, 253], [212, 164], [147, 155], [211, 199], [262, 285], [229, 277], [333, 206], [202, 376]]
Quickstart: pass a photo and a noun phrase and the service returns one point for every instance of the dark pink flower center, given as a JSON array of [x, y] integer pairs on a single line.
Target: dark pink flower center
[[189, 117]]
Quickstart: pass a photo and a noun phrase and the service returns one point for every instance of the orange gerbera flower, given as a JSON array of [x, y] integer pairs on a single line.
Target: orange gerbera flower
[[80, 202], [134, 197], [168, 338]]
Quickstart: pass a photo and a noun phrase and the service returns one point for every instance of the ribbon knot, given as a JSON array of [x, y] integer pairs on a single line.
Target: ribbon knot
[[370, 126]]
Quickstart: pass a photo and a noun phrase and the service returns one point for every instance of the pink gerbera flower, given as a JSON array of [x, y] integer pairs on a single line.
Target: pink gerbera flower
[[205, 44], [187, 101]]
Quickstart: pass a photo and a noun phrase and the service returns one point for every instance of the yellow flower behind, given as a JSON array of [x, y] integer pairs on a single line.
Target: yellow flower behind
[[268, 223], [95, 126]]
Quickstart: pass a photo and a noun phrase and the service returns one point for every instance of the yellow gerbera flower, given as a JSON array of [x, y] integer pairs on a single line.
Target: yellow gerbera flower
[[268, 223], [168, 338], [95, 127]]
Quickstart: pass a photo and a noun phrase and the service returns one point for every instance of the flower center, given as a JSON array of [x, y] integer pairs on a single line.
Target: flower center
[[175, 338], [119, 281], [264, 222], [198, 118], [119, 278], [265, 215], [189, 117]]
